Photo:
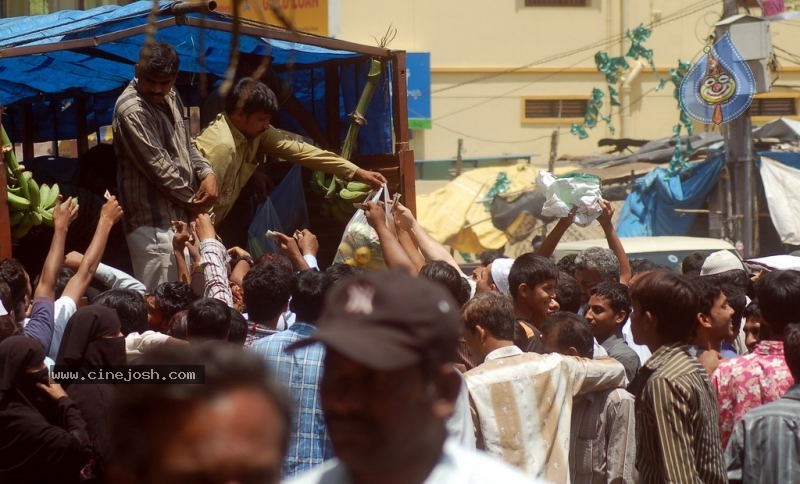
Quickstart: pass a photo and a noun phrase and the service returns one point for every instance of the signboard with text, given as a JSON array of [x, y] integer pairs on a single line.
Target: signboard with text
[[305, 15], [418, 78]]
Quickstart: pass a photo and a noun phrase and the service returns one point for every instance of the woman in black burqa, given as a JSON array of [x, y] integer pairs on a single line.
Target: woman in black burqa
[[43, 436], [93, 339]]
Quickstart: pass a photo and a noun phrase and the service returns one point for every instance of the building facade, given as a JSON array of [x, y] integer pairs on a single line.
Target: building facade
[[502, 72]]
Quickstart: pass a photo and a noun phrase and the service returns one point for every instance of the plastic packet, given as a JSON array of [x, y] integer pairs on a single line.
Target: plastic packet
[[360, 245], [562, 193]]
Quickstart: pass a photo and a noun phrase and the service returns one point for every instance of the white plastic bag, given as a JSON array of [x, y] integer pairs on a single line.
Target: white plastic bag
[[565, 192], [360, 245]]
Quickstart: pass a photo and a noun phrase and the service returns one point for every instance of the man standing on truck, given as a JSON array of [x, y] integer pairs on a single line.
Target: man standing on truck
[[236, 141], [162, 176]]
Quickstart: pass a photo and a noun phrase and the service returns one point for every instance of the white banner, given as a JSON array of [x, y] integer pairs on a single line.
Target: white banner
[[782, 187]]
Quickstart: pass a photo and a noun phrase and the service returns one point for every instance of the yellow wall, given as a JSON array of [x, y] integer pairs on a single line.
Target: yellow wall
[[471, 39]]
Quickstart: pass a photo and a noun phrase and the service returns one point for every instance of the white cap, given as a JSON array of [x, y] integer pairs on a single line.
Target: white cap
[[721, 261], [500, 269]]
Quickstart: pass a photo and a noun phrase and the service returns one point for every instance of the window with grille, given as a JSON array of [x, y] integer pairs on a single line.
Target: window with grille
[[556, 3], [541, 109], [774, 106]]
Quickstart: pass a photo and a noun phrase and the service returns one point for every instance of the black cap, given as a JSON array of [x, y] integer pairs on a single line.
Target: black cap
[[389, 320]]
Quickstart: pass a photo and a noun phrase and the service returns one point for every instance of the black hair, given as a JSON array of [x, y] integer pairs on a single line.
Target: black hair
[[443, 273], [251, 96], [737, 278], [308, 295], [178, 325], [489, 256], [130, 306], [158, 59], [62, 278], [340, 271], [568, 293], [617, 294], [567, 264], [791, 349], [530, 269], [573, 330], [645, 265], [672, 299], [267, 287], [737, 300], [693, 263], [12, 273], [5, 296], [171, 297], [708, 293], [778, 295], [238, 328], [752, 310], [160, 409], [208, 319], [493, 312]]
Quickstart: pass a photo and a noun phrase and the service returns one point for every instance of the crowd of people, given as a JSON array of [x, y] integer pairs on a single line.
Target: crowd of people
[[595, 368]]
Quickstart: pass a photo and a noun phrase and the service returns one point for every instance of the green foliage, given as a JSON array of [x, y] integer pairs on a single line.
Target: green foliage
[[613, 68]]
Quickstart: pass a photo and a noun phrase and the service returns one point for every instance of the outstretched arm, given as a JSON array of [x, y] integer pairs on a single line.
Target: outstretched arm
[[393, 252], [431, 249], [63, 215], [625, 271], [110, 214], [554, 237]]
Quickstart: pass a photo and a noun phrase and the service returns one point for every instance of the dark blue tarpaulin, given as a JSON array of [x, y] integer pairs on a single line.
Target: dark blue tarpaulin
[[650, 208], [50, 81]]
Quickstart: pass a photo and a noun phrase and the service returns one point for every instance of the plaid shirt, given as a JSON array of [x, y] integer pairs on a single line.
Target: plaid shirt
[[300, 371]]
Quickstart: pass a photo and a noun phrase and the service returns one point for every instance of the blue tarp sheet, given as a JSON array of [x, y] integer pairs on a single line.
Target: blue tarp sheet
[[51, 80], [649, 209]]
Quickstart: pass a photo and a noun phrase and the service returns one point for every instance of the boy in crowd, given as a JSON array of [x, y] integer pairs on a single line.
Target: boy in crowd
[[608, 309], [521, 402], [676, 409], [762, 376], [602, 444], [714, 324]]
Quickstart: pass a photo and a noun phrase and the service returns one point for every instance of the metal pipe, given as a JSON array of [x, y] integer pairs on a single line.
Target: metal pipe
[[183, 8]]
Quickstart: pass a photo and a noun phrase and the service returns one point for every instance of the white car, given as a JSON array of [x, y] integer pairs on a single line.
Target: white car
[[668, 251]]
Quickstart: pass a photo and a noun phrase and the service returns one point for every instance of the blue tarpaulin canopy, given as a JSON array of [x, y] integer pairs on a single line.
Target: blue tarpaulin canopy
[[650, 207], [48, 61]]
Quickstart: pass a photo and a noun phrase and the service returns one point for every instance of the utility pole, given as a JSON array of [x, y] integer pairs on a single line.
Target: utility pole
[[551, 163], [459, 161], [739, 159]]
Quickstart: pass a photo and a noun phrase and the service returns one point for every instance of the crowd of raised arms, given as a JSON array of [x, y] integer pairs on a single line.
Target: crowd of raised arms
[[595, 368]]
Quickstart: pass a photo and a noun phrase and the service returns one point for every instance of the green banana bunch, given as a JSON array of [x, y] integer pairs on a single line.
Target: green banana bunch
[[29, 203], [341, 193]]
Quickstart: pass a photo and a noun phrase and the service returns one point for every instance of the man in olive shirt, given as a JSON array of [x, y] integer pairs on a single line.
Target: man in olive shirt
[[238, 139]]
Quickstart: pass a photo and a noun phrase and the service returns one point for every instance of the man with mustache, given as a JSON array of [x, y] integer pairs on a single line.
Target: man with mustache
[[389, 385], [162, 176]]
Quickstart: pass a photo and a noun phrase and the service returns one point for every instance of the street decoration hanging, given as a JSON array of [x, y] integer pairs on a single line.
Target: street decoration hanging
[[720, 85]]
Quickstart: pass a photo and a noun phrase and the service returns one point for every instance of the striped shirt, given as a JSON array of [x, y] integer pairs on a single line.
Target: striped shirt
[[522, 405], [159, 168], [677, 436], [602, 447], [764, 445]]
